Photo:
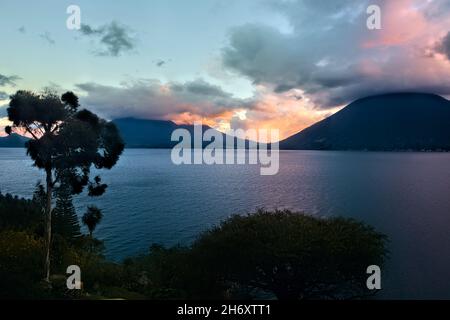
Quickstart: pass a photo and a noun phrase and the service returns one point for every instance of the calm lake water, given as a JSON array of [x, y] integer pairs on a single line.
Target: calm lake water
[[150, 200]]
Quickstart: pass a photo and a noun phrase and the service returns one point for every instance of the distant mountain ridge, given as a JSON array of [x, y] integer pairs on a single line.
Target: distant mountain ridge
[[14, 140], [142, 133], [389, 122]]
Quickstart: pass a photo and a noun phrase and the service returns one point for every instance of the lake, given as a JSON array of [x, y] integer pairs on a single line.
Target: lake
[[150, 200]]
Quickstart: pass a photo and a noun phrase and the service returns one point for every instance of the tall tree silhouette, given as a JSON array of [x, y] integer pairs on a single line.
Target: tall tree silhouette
[[65, 142]]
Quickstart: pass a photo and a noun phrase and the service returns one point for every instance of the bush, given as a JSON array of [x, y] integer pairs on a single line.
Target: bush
[[162, 274], [267, 254], [20, 214], [291, 255], [21, 263], [278, 254]]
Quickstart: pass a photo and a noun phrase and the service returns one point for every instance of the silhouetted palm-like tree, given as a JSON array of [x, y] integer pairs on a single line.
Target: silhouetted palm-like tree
[[92, 218]]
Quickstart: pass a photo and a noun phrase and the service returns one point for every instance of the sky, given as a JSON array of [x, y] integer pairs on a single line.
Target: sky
[[274, 64]]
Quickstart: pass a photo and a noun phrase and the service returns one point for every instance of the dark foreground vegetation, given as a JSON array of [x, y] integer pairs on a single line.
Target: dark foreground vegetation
[[278, 254]]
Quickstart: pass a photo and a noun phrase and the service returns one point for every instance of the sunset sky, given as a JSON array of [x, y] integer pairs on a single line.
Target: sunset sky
[[230, 63]]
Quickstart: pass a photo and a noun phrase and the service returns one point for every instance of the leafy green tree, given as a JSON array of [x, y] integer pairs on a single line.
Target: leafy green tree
[[291, 255], [65, 142], [92, 218]]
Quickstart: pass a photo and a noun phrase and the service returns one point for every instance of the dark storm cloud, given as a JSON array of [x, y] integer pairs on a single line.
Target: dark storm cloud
[[156, 100], [283, 88], [339, 77], [286, 61], [8, 80], [324, 54], [258, 52], [444, 46], [114, 38], [203, 88]]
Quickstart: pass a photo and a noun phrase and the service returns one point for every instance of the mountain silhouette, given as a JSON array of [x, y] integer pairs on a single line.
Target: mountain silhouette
[[14, 140], [143, 133], [137, 133], [389, 122]]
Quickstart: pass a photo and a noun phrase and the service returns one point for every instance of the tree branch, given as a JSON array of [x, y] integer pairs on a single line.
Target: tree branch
[[31, 132]]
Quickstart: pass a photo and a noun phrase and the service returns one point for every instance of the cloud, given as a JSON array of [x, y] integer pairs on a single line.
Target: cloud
[[160, 63], [199, 100], [3, 123], [22, 29], [436, 9], [333, 58], [3, 120], [201, 88], [47, 37], [287, 112], [88, 30], [154, 99], [3, 112], [444, 45], [3, 96], [8, 80], [113, 38]]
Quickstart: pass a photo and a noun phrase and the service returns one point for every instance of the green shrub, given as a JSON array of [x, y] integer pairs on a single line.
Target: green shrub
[[291, 255], [20, 214], [267, 254], [21, 263]]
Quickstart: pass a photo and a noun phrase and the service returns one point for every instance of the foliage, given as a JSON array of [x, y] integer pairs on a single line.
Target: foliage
[[284, 254], [66, 143], [21, 263], [162, 274], [92, 218], [65, 139], [65, 222], [292, 255], [278, 254], [20, 214]]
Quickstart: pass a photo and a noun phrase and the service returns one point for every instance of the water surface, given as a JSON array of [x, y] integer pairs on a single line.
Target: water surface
[[150, 200]]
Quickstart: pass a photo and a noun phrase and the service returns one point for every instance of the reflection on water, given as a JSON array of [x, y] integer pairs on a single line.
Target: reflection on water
[[405, 195]]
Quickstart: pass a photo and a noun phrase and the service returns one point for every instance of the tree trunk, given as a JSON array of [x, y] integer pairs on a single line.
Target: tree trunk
[[91, 240], [48, 214]]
